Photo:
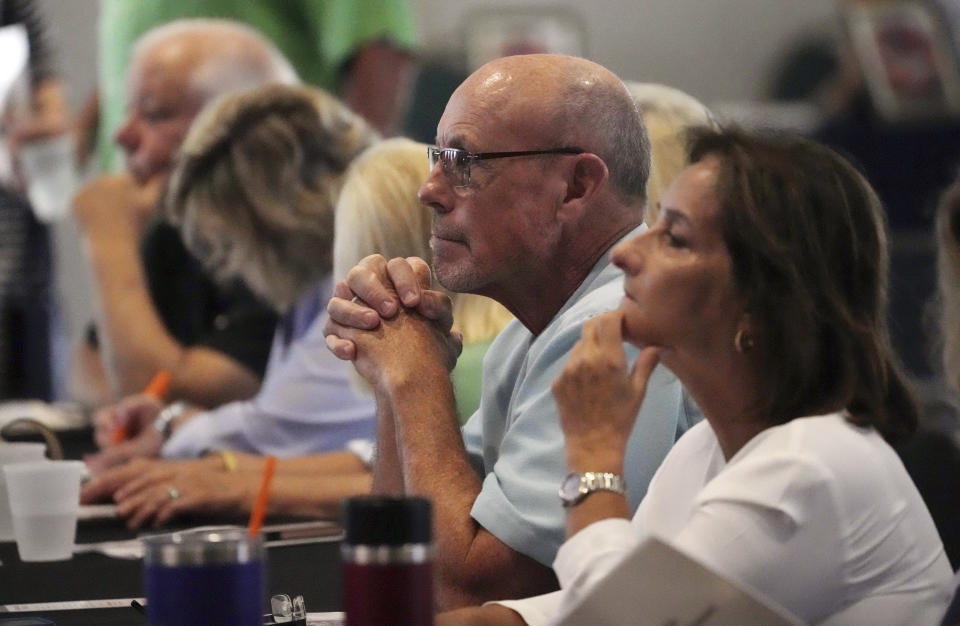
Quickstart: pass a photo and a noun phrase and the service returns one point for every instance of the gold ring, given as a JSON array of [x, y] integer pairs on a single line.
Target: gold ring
[[173, 492]]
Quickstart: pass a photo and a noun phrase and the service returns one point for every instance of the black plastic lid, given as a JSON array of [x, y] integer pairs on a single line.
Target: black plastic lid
[[384, 521]]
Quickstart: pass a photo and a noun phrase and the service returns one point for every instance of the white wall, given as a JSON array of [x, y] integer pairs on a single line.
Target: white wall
[[72, 28], [714, 49], [72, 31]]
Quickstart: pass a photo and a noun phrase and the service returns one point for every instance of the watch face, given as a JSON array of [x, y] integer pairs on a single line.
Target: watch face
[[570, 488]]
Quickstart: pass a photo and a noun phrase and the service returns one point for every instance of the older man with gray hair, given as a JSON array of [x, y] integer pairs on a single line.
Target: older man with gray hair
[[541, 169], [156, 310]]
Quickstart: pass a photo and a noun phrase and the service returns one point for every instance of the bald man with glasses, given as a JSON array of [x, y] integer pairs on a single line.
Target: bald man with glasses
[[540, 169]]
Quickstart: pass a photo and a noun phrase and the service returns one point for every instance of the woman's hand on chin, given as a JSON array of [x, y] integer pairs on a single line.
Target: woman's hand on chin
[[598, 395]]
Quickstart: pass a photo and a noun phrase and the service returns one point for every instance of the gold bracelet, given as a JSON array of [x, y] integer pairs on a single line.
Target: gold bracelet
[[229, 459]]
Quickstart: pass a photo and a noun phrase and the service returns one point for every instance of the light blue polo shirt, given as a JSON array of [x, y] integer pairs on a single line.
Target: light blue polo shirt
[[515, 441]]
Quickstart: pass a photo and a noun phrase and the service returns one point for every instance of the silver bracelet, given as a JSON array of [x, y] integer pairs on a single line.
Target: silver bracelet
[[164, 422]]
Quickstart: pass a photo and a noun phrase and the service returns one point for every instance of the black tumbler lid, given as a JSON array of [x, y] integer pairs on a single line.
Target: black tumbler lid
[[385, 521]]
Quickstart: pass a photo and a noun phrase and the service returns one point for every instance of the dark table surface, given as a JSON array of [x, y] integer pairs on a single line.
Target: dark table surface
[[308, 569]]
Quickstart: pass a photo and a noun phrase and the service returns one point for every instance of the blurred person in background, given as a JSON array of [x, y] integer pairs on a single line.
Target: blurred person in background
[[253, 195], [908, 160], [156, 307], [932, 456], [668, 114], [878, 54], [26, 280], [948, 282], [359, 50]]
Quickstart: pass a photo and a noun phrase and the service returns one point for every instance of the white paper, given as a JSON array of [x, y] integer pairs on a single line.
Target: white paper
[[657, 585], [56, 416], [70, 605], [97, 511]]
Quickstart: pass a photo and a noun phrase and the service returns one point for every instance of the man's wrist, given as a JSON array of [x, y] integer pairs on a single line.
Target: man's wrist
[[109, 242], [417, 370], [600, 461], [413, 383]]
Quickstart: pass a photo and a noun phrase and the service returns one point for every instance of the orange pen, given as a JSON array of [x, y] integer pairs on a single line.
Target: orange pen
[[260, 504], [157, 388]]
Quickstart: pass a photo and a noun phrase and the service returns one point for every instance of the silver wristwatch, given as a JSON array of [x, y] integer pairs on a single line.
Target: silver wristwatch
[[576, 487], [164, 422]]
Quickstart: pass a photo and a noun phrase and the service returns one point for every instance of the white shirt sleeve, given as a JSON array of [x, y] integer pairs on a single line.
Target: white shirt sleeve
[[587, 557], [536, 610], [211, 430], [306, 405], [582, 561]]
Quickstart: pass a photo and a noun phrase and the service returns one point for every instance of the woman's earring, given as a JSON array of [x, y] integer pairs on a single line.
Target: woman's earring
[[742, 341]]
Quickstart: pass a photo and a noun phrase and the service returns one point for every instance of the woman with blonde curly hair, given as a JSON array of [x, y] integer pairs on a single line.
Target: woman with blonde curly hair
[[254, 193]]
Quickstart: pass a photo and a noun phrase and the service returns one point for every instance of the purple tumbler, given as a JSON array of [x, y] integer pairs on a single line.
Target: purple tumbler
[[205, 576], [387, 561]]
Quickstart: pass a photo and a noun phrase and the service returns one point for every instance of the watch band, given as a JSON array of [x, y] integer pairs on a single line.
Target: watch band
[[603, 481], [164, 422], [576, 486]]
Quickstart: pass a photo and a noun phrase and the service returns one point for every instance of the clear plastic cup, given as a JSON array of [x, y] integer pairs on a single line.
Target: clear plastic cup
[[45, 501], [14, 453], [48, 169]]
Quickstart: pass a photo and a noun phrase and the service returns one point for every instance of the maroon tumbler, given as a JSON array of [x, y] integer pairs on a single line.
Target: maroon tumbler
[[387, 561]]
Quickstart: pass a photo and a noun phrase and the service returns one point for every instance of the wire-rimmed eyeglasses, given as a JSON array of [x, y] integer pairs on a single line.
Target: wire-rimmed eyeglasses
[[456, 162]]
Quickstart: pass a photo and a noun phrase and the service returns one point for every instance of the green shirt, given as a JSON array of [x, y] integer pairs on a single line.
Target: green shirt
[[316, 36], [467, 377]]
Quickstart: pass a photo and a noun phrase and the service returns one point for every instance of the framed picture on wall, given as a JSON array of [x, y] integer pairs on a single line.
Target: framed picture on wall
[[496, 32], [907, 57]]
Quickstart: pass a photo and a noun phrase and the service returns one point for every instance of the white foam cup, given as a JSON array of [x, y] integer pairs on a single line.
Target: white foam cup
[[14, 453], [47, 166], [45, 501]]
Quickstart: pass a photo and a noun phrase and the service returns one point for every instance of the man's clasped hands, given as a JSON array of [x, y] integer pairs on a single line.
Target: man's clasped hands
[[385, 314]]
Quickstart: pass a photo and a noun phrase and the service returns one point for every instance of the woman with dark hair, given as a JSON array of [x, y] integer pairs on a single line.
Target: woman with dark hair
[[762, 286]]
